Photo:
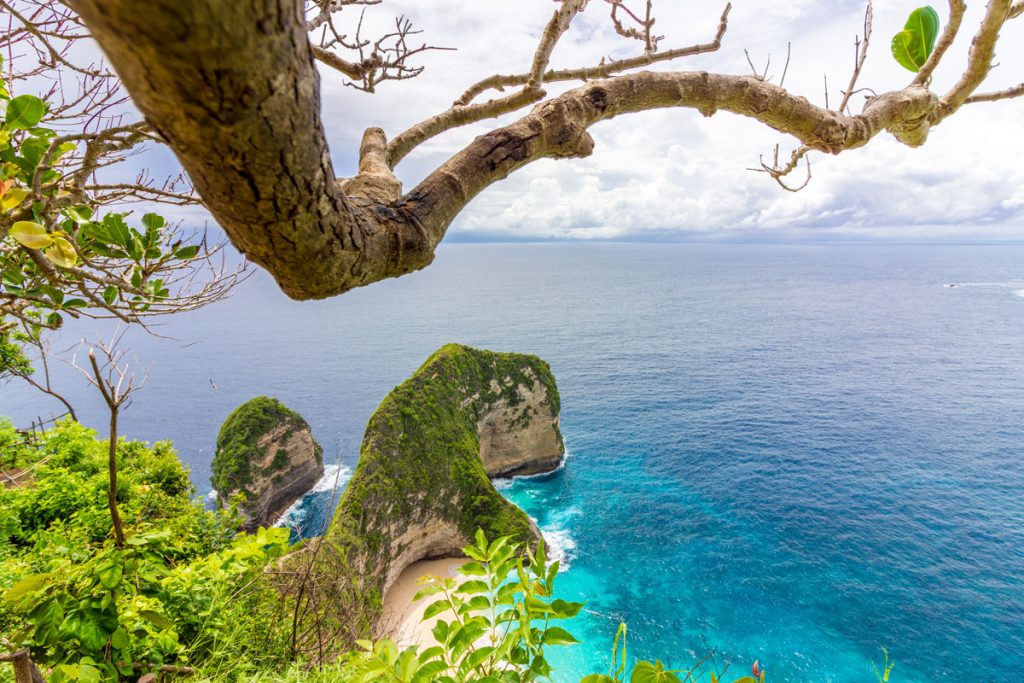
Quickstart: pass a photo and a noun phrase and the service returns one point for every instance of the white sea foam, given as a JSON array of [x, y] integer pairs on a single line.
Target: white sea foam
[[1018, 292], [335, 478], [558, 538], [560, 544]]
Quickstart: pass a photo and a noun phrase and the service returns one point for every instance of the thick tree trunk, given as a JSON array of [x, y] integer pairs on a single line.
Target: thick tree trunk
[[232, 88]]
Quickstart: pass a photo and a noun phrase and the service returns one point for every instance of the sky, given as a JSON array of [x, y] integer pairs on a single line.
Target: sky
[[676, 175]]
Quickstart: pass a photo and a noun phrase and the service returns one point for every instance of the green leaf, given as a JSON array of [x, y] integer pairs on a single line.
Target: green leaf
[[119, 639], [433, 610], [566, 610], [110, 294], [558, 636], [473, 569], [80, 214], [88, 674], [912, 46], [25, 111], [63, 149], [109, 575], [31, 235], [27, 585], [645, 672], [472, 587], [153, 221], [117, 229], [12, 198], [440, 632], [597, 678], [157, 619], [62, 253], [185, 253]]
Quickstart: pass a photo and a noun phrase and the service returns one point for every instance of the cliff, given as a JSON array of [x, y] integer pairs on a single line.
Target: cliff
[[266, 452], [422, 485]]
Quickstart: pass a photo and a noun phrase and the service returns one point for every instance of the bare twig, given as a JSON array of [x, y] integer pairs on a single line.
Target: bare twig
[[779, 171], [602, 70], [1008, 93], [956, 17], [116, 384], [860, 55]]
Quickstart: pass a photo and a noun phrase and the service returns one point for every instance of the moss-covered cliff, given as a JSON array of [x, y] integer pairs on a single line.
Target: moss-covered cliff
[[421, 488], [266, 452]]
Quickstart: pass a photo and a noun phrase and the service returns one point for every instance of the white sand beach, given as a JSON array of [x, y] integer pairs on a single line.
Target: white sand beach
[[402, 617]]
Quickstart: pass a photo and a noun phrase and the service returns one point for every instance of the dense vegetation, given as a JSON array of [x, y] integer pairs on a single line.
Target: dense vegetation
[[185, 590]]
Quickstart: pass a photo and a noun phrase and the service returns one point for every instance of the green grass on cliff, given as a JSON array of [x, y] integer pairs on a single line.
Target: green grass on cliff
[[236, 442], [421, 447], [420, 461]]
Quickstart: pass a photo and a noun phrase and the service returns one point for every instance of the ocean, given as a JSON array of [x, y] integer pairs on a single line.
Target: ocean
[[794, 454]]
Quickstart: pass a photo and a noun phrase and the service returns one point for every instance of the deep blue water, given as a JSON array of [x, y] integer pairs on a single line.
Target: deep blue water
[[797, 454]]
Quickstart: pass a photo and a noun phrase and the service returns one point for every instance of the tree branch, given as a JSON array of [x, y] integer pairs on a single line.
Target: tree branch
[[956, 17], [979, 59], [244, 118], [1016, 91], [463, 113], [603, 70]]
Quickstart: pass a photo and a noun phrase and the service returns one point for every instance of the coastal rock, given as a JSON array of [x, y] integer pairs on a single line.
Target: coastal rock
[[422, 486], [267, 453], [519, 434]]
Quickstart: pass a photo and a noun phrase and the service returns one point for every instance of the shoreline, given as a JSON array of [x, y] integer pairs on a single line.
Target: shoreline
[[402, 619]]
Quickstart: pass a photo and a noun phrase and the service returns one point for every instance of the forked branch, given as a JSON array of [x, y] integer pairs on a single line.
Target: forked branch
[[463, 113]]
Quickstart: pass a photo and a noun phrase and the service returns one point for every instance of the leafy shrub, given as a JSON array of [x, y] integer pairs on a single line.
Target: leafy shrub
[[184, 589]]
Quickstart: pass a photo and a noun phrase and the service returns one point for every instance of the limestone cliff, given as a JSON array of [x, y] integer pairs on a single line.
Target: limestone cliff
[[266, 452], [422, 486]]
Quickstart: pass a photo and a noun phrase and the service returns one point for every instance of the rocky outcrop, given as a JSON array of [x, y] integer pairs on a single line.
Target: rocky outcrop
[[267, 453], [519, 435], [422, 486]]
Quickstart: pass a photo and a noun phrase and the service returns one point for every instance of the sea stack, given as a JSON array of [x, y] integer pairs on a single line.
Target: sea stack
[[267, 453], [423, 483]]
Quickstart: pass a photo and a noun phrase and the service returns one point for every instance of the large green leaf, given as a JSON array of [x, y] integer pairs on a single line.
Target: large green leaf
[[645, 672], [62, 253], [109, 574], [912, 46], [28, 585], [30, 234], [25, 111]]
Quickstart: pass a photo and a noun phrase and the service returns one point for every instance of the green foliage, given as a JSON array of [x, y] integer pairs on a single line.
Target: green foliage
[[12, 359], [237, 442], [183, 590], [24, 112], [912, 46]]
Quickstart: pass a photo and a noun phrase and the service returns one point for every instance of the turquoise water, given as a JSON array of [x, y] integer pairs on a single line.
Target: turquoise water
[[791, 454]]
